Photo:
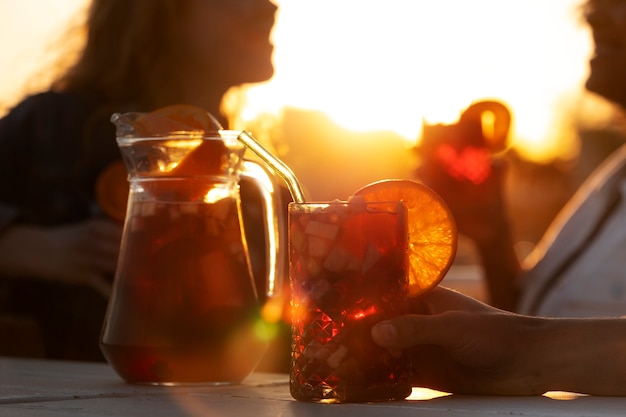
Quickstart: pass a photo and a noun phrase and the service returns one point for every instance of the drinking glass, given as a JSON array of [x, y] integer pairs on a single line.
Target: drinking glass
[[348, 270]]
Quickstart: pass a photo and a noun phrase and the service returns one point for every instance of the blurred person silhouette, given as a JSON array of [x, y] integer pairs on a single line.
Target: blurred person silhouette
[[578, 267], [57, 251]]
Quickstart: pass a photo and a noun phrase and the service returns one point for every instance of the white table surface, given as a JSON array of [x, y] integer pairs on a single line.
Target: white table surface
[[56, 388]]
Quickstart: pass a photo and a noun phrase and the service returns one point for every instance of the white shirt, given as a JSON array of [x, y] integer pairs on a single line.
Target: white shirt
[[594, 284]]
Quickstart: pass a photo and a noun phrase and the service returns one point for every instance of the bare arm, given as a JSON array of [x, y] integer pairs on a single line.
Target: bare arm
[[83, 253], [501, 267], [463, 346], [481, 215]]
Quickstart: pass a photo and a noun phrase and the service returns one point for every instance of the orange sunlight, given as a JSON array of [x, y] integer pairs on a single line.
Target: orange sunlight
[[28, 35], [369, 66]]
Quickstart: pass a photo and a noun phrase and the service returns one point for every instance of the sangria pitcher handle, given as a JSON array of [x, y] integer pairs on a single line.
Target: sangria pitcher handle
[[275, 240]]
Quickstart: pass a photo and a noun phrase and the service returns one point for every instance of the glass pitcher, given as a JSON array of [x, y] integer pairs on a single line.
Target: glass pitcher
[[184, 306]]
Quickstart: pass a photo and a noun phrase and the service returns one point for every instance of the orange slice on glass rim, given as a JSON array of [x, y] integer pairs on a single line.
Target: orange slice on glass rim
[[432, 229]]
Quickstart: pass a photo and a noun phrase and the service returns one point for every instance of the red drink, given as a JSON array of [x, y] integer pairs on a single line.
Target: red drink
[[184, 305], [348, 270]]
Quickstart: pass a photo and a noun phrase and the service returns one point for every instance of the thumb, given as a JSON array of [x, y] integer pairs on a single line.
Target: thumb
[[412, 330]]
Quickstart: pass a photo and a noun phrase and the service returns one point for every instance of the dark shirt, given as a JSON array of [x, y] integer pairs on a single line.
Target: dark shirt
[[52, 148]]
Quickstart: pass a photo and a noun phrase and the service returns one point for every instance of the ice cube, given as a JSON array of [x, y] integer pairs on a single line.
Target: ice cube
[[312, 267], [372, 255], [319, 289], [337, 259], [337, 357], [354, 264], [148, 208], [324, 230], [188, 208], [356, 199], [315, 349], [311, 349], [175, 212], [318, 247], [296, 238]]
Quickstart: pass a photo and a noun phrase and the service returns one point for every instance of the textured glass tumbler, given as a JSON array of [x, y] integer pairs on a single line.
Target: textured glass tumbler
[[348, 271]]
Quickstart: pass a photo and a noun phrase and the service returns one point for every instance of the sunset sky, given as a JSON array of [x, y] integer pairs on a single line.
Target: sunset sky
[[373, 65]]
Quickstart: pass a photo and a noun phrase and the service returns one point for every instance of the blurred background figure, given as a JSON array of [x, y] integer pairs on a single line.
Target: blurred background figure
[[58, 251], [577, 270]]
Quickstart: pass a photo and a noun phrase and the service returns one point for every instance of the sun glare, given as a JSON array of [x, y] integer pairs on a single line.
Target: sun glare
[[30, 30], [387, 66], [374, 66]]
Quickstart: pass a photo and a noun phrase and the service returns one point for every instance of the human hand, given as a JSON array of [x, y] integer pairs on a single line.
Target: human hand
[[460, 345], [87, 252], [83, 253]]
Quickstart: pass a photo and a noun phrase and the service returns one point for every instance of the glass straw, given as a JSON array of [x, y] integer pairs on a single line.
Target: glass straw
[[276, 164]]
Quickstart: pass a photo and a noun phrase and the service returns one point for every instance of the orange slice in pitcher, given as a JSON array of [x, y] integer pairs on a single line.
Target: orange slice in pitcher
[[185, 119], [172, 119], [432, 229], [111, 186]]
